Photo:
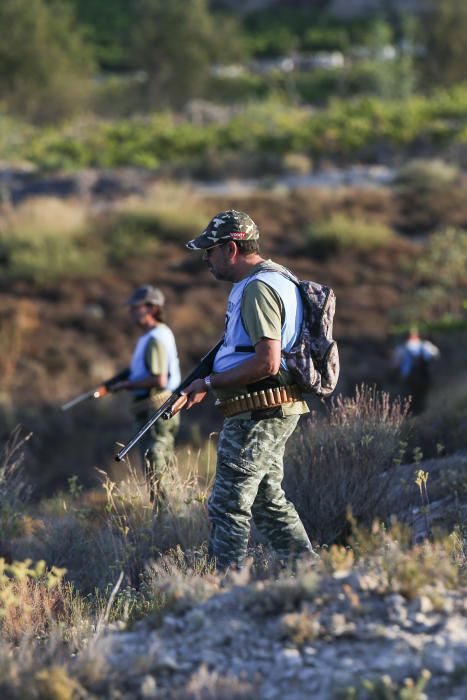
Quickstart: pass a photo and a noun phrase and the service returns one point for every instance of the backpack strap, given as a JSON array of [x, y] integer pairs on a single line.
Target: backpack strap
[[284, 271]]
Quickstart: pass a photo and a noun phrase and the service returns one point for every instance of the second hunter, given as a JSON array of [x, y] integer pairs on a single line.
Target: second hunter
[[153, 375]]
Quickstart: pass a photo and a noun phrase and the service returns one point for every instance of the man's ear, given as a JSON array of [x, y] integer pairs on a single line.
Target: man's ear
[[232, 249]]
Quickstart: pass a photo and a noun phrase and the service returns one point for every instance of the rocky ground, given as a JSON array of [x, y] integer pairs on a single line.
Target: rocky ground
[[385, 617], [296, 638]]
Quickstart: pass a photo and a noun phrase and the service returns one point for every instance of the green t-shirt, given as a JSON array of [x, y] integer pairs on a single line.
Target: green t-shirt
[[157, 362], [263, 314], [156, 358]]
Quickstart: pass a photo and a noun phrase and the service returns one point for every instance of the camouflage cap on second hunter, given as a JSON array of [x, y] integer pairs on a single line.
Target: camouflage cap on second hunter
[[228, 225]]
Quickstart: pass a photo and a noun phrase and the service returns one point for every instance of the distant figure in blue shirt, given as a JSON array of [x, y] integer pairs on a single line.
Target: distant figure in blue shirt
[[413, 360]]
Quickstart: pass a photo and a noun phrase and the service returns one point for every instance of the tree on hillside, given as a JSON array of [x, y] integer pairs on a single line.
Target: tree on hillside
[[175, 43], [45, 64], [107, 24], [443, 32]]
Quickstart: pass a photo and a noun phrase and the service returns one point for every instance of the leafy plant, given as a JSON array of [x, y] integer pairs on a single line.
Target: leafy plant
[[427, 192], [45, 239], [45, 62], [440, 279], [340, 233]]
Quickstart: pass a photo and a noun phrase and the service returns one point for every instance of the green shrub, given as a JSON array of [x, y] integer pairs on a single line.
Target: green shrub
[[242, 88], [342, 233], [426, 192], [389, 80], [45, 239], [440, 280], [345, 129], [13, 491], [325, 39], [46, 64], [130, 235], [167, 213]]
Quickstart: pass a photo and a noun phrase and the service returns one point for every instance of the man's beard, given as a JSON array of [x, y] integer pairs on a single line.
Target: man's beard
[[220, 275]]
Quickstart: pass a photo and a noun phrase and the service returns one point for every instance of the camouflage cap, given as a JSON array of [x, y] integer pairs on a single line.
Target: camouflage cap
[[146, 295], [228, 225]]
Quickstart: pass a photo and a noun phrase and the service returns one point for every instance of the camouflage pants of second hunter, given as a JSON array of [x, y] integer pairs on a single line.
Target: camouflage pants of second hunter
[[248, 484], [157, 447]]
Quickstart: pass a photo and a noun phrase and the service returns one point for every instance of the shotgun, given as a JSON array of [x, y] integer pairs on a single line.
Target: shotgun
[[175, 402], [98, 391]]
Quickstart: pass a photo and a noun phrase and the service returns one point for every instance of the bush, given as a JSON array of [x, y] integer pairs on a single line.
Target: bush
[[427, 193], [345, 129], [175, 43], [13, 490], [344, 461], [443, 32], [45, 239], [325, 39], [390, 80], [45, 64], [168, 213], [440, 280], [342, 233], [30, 599]]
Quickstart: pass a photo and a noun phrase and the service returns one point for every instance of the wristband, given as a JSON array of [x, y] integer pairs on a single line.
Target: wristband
[[207, 382]]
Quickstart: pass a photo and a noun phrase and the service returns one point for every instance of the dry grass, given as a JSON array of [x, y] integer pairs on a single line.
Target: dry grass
[[168, 210], [14, 490], [45, 239], [42, 217], [31, 609]]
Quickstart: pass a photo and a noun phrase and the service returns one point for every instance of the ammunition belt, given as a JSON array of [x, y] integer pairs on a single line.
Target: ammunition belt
[[267, 398]]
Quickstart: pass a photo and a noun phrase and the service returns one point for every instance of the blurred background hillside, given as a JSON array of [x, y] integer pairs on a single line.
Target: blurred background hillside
[[340, 127]]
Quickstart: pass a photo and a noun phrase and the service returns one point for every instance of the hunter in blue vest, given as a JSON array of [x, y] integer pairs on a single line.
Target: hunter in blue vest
[[153, 375], [254, 391]]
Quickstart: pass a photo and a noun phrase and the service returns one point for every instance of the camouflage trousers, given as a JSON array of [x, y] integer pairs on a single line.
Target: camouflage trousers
[[248, 484], [157, 448]]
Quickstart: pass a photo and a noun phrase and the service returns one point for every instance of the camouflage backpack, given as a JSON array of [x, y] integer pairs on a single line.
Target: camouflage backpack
[[314, 358]]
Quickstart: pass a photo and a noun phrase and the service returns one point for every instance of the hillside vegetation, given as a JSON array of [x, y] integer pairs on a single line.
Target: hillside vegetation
[[115, 118]]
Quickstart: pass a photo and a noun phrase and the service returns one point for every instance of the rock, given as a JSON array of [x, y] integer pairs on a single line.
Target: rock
[[397, 610], [338, 625], [148, 687], [195, 620], [166, 662], [439, 660], [291, 657], [422, 604]]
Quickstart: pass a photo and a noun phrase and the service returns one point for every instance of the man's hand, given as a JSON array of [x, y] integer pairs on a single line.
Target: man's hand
[[196, 392]]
